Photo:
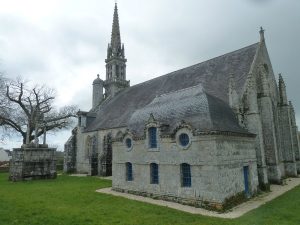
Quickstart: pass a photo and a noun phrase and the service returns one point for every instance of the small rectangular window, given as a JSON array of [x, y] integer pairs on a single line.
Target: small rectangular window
[[129, 176], [152, 137], [154, 173], [186, 175]]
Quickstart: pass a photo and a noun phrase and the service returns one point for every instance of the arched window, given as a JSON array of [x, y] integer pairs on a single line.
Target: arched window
[[185, 175], [152, 135], [154, 178], [129, 176], [94, 145], [88, 146]]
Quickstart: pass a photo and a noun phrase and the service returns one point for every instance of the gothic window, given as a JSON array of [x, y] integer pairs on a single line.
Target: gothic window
[[152, 135], [184, 139], [88, 146], [129, 176], [154, 178], [185, 175], [94, 145]]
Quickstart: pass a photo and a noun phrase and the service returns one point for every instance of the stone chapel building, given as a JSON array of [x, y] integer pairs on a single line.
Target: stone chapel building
[[204, 133]]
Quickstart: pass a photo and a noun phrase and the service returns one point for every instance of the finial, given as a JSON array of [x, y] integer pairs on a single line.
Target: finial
[[262, 34]]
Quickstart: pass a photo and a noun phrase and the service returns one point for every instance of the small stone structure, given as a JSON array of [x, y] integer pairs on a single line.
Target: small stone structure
[[31, 162]]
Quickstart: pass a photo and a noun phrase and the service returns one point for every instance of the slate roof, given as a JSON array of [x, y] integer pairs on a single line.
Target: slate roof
[[212, 75], [192, 105]]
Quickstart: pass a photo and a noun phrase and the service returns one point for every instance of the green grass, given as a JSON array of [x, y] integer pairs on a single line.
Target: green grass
[[73, 200]]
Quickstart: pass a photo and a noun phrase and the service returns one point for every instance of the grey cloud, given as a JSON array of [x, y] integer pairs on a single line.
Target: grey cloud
[[159, 37]]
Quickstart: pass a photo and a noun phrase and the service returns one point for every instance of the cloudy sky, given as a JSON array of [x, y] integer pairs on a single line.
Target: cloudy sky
[[62, 43]]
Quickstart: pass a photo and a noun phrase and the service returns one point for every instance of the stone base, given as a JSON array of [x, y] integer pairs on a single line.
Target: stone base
[[274, 174], [290, 169], [282, 170], [195, 202], [263, 178], [32, 163], [298, 166]]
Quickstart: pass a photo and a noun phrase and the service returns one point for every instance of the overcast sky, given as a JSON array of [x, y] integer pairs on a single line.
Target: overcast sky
[[62, 43]]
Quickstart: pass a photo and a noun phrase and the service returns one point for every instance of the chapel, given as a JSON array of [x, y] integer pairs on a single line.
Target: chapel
[[199, 135]]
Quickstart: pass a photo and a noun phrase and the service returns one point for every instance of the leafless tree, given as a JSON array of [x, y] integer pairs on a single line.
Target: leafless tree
[[25, 110]]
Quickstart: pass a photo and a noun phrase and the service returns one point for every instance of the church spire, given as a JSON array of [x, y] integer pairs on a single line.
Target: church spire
[[115, 61], [115, 34]]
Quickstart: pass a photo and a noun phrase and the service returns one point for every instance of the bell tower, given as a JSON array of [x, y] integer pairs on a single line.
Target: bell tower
[[115, 61]]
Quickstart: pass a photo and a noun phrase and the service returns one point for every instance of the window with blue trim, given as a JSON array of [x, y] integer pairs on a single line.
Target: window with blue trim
[[154, 178], [184, 139], [129, 176], [186, 175], [152, 137]]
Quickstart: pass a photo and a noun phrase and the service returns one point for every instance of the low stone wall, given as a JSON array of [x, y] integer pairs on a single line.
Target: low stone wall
[[31, 163]]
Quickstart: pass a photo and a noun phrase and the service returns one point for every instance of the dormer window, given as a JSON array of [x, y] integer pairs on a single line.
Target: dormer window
[[152, 134]]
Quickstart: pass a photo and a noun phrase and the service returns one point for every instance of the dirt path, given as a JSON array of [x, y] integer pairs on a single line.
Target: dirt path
[[276, 190]]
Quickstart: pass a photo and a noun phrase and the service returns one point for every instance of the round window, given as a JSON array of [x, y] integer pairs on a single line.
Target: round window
[[128, 143], [184, 139]]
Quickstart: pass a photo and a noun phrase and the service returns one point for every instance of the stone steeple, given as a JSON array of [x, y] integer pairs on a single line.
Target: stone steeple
[[116, 61]]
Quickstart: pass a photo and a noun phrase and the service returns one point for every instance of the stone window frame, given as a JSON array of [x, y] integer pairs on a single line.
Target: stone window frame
[[128, 149], [88, 146], [127, 135], [128, 171], [154, 173], [186, 175], [158, 139], [152, 135], [184, 130]]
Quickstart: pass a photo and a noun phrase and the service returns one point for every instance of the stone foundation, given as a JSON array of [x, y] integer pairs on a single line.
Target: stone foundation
[[290, 169], [263, 178], [32, 163], [274, 174], [198, 203], [298, 166]]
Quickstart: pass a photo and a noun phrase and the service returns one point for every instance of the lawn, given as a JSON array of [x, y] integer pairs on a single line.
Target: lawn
[[73, 200]]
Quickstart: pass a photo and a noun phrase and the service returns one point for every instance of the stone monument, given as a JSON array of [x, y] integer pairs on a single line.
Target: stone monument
[[33, 160]]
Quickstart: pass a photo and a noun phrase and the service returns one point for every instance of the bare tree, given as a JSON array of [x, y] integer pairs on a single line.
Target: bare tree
[[25, 110]]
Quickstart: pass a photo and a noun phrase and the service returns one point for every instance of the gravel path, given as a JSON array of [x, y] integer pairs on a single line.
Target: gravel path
[[276, 190]]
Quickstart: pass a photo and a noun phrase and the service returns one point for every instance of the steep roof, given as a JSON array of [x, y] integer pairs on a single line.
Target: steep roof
[[213, 75], [191, 105]]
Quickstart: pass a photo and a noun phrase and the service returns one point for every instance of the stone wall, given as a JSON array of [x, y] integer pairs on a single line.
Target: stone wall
[[83, 155], [30, 163], [216, 168]]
